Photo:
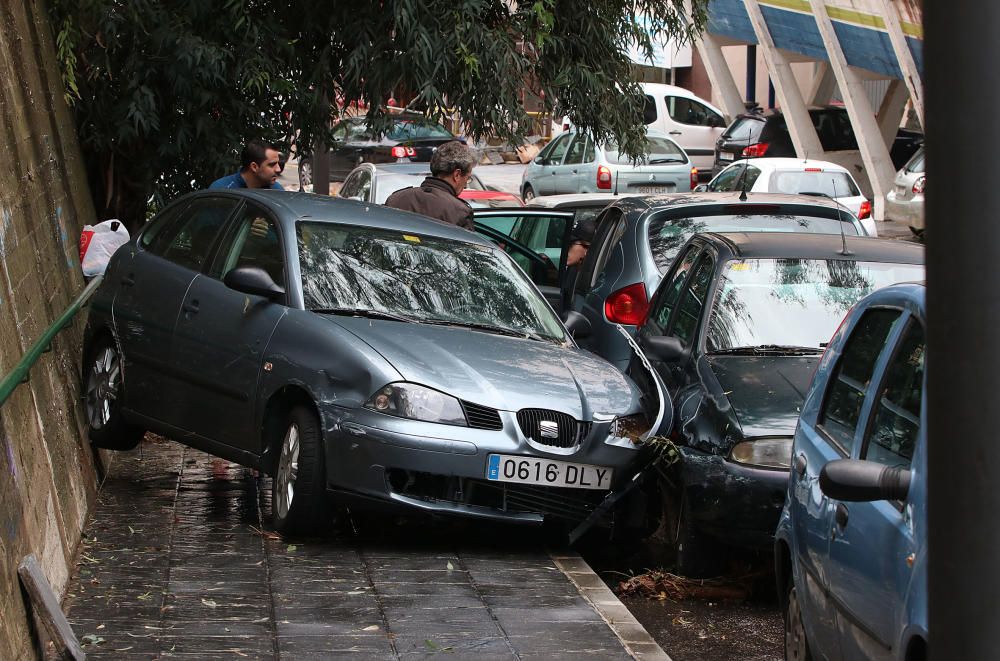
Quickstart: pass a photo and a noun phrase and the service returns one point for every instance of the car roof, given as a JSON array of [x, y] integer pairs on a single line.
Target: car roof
[[667, 200], [292, 206], [790, 163], [791, 245], [576, 200]]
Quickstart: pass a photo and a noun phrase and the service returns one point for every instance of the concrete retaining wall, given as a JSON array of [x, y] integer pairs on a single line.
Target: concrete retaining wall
[[47, 476]]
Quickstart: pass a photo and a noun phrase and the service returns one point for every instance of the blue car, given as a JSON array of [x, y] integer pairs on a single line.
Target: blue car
[[851, 544]]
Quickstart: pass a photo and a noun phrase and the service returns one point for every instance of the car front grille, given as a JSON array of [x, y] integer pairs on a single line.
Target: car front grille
[[537, 424], [482, 417]]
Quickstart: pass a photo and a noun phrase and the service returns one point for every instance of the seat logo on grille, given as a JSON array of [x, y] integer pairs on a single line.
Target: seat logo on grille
[[548, 429]]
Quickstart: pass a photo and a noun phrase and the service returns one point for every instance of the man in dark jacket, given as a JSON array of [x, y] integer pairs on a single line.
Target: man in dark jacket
[[437, 195]]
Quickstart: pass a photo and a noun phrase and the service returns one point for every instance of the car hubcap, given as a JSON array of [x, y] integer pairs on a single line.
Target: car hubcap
[[103, 383], [288, 471], [795, 635], [305, 174]]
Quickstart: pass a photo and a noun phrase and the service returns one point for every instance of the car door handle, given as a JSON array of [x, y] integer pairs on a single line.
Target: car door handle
[[191, 306], [841, 516], [128, 280], [800, 464], [677, 133]]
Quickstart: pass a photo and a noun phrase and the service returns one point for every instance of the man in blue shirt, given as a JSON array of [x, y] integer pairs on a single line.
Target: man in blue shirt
[[259, 168]]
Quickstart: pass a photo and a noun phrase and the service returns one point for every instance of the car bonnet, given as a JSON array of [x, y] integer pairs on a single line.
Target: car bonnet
[[506, 373]]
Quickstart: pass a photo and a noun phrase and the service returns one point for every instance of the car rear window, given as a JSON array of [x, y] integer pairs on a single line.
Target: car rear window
[[799, 182], [406, 130], [667, 232], [658, 150], [916, 163], [744, 129]]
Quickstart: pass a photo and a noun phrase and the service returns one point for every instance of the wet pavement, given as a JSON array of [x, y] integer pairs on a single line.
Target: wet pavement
[[179, 562]]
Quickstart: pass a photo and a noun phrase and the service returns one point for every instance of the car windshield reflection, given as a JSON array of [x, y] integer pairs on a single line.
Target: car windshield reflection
[[362, 271], [792, 305]]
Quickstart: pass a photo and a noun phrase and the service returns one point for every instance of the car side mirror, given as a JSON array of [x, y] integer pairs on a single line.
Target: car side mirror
[[854, 480], [700, 188], [664, 347], [254, 280], [577, 324], [541, 161]]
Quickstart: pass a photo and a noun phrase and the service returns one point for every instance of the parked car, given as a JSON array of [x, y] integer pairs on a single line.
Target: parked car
[[755, 134], [375, 183], [410, 138], [905, 202], [851, 544], [573, 163], [354, 350], [796, 176], [734, 333], [638, 238], [585, 206]]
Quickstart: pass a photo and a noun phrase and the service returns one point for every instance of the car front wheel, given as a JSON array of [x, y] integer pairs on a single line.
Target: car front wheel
[[104, 388], [796, 645], [305, 174], [300, 503], [528, 193]]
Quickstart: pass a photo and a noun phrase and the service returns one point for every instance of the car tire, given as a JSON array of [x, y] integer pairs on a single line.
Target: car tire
[[697, 555], [796, 643], [305, 173], [104, 392], [528, 193], [299, 500]]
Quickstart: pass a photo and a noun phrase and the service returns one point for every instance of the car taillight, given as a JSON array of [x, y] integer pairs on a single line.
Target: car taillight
[[758, 149], [865, 211], [628, 305], [694, 177], [918, 185], [403, 152], [604, 178]]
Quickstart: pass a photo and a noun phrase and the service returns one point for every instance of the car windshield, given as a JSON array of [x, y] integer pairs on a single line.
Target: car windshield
[[419, 278], [658, 150], [786, 304], [667, 235], [409, 130], [812, 182]]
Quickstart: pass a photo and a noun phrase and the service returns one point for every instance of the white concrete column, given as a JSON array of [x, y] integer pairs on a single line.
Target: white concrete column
[[823, 85], [911, 76], [874, 153], [786, 88], [890, 113], [720, 75]]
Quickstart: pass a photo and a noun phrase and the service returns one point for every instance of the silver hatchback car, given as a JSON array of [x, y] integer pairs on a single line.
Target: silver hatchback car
[[574, 163], [905, 202]]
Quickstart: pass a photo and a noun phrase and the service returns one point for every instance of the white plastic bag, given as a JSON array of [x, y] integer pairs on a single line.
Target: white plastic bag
[[97, 244]]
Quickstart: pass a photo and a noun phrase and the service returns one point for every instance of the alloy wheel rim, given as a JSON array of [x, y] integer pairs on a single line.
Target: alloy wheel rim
[[103, 384], [305, 174], [795, 635], [288, 471]]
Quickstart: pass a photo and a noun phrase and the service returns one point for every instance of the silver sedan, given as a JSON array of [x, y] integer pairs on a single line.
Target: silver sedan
[[905, 202]]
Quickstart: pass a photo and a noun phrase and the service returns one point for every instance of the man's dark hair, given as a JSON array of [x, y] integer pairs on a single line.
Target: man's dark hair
[[452, 156], [254, 151]]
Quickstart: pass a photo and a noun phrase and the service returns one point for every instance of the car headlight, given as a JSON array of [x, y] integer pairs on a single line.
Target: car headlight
[[764, 452], [409, 400], [631, 427]]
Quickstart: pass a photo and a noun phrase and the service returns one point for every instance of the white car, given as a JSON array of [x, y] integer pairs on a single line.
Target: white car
[[905, 202], [796, 176]]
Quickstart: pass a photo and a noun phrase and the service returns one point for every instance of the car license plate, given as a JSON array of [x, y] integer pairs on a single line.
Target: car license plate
[[723, 156], [653, 190], [531, 470]]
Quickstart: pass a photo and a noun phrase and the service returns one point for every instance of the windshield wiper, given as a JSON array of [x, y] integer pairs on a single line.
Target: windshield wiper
[[657, 161], [367, 313], [770, 350], [489, 328]]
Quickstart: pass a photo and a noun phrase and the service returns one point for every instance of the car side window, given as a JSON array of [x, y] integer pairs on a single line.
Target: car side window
[[689, 111], [169, 220], [649, 114], [254, 242], [575, 152], [357, 187], [188, 239], [591, 152], [750, 176], [555, 155], [543, 235], [896, 416], [852, 375], [610, 230], [726, 180], [692, 300], [670, 291]]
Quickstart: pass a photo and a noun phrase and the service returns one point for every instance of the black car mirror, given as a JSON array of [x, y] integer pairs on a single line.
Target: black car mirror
[[577, 324], [254, 280], [663, 347], [854, 480]]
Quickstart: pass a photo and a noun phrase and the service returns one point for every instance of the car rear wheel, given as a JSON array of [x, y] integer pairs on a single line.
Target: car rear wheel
[[299, 500], [104, 388], [305, 173], [528, 193], [796, 645]]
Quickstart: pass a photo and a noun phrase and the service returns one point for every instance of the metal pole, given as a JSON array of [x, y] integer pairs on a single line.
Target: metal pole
[[751, 73], [963, 301]]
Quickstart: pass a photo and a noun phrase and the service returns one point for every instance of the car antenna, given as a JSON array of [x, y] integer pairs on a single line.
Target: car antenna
[[743, 175], [840, 216], [617, 172]]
